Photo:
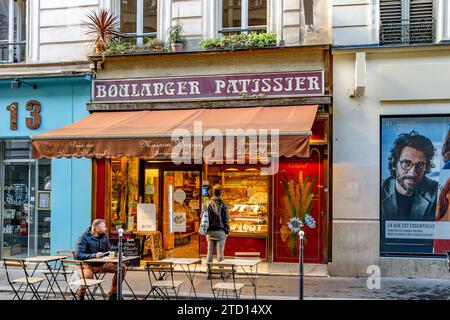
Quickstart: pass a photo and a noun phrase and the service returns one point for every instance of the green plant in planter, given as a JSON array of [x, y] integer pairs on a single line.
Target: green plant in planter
[[119, 223], [261, 40], [234, 41], [154, 44], [176, 38], [118, 47], [210, 44]]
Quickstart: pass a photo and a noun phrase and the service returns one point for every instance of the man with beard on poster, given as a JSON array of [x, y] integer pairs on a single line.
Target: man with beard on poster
[[408, 195]]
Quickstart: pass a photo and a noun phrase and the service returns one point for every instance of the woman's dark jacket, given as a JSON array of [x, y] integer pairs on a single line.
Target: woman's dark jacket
[[218, 215]]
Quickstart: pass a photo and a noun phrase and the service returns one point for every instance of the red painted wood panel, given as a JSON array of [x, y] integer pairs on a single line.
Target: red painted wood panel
[[314, 245], [100, 192], [237, 244]]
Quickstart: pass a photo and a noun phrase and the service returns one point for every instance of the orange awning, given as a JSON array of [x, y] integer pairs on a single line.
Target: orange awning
[[147, 134]]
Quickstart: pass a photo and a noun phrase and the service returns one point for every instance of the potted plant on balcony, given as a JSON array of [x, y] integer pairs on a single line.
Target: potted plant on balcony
[[176, 38], [103, 26]]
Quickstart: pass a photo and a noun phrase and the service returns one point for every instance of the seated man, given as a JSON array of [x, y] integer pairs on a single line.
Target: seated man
[[92, 244]]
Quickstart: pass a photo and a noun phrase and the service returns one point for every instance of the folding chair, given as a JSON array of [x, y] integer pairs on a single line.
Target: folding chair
[[52, 275], [70, 267], [223, 287], [160, 276], [30, 282]]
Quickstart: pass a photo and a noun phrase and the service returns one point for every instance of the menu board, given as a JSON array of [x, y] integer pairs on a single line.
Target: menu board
[[130, 247]]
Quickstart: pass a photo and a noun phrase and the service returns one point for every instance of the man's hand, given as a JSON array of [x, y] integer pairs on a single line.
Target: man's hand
[[99, 255]]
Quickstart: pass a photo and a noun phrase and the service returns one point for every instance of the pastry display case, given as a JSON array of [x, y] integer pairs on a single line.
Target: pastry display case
[[246, 193]]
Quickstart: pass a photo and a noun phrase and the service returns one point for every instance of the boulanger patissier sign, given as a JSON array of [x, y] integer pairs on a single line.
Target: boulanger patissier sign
[[214, 87]]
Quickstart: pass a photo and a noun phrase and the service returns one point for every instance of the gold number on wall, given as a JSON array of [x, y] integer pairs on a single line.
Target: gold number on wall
[[13, 109], [35, 108]]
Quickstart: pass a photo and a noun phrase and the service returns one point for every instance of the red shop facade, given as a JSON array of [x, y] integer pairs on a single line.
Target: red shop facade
[[137, 183]]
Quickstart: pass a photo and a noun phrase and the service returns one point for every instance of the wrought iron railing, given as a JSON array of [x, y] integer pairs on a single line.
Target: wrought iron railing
[[12, 52], [407, 32]]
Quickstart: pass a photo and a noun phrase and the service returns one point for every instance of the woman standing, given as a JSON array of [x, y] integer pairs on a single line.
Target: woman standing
[[218, 224]]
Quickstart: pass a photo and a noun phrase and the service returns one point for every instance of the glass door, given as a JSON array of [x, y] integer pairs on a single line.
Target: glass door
[[15, 208], [181, 213]]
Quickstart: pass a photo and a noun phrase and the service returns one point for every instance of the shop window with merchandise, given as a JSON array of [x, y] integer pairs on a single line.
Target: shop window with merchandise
[[26, 201]]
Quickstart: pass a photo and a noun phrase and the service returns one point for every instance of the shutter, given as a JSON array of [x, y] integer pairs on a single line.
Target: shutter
[[390, 21], [421, 21]]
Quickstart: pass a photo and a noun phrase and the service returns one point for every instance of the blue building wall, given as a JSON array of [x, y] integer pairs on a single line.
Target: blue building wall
[[63, 101]]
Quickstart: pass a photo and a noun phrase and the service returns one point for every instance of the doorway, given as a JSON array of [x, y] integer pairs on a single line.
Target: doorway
[[176, 193]]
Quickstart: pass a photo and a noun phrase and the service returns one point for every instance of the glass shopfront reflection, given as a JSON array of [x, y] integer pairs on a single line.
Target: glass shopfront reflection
[[26, 201]]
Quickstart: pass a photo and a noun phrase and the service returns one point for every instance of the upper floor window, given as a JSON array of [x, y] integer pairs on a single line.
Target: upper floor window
[[244, 15], [138, 18], [406, 22], [12, 30]]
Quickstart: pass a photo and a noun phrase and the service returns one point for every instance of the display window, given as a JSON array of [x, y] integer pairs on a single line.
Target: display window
[[246, 192]]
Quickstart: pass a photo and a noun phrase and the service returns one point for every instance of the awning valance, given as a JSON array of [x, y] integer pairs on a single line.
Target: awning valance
[[147, 134]]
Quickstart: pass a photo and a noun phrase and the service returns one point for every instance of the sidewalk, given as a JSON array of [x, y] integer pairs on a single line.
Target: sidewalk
[[274, 287]]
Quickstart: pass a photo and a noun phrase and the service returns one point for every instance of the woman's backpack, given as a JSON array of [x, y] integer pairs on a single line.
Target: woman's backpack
[[204, 222]]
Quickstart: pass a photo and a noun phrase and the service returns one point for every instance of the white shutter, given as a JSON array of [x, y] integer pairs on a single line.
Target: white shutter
[[421, 21]]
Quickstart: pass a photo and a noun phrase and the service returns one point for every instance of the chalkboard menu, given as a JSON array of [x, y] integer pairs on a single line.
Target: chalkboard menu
[[131, 247]]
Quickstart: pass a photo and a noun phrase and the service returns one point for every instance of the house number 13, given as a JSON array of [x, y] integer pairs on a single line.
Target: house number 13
[[33, 123]]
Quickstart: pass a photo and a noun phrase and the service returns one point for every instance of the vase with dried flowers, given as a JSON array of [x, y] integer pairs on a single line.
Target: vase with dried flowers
[[102, 28], [298, 199]]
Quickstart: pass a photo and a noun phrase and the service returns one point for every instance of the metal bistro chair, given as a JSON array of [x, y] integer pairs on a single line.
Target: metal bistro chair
[[160, 276], [30, 282], [58, 272], [70, 267], [222, 288]]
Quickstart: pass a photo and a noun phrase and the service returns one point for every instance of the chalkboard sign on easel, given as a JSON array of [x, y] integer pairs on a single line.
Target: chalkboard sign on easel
[[131, 247]]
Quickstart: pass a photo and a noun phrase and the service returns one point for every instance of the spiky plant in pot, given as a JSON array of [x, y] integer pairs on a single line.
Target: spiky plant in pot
[[103, 28]]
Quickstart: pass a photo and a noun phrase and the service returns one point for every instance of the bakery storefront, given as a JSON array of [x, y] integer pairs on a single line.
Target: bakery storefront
[[157, 150]]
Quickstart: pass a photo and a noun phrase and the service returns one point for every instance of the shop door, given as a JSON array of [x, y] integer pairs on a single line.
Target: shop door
[[181, 213], [314, 243]]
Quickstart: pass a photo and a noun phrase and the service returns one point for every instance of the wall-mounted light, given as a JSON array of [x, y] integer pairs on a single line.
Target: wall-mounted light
[[17, 83]]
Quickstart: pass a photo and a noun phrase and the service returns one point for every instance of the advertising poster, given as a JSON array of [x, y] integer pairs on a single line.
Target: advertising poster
[[415, 185]]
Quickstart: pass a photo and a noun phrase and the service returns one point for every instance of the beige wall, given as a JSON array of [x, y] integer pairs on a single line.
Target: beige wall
[[356, 140], [212, 63]]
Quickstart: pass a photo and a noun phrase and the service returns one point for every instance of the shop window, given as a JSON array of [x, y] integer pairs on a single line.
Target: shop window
[[244, 15], [12, 30], [246, 193], [26, 206], [138, 18], [124, 192]]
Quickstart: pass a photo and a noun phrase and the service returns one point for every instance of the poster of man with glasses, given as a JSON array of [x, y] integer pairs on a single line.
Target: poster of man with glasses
[[411, 166]]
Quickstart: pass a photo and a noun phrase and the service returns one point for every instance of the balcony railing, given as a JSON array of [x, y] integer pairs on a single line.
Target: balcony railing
[[12, 52], [407, 32]]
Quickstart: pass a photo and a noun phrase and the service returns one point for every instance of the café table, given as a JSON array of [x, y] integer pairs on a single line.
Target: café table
[[47, 260], [185, 264], [249, 268], [101, 275]]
